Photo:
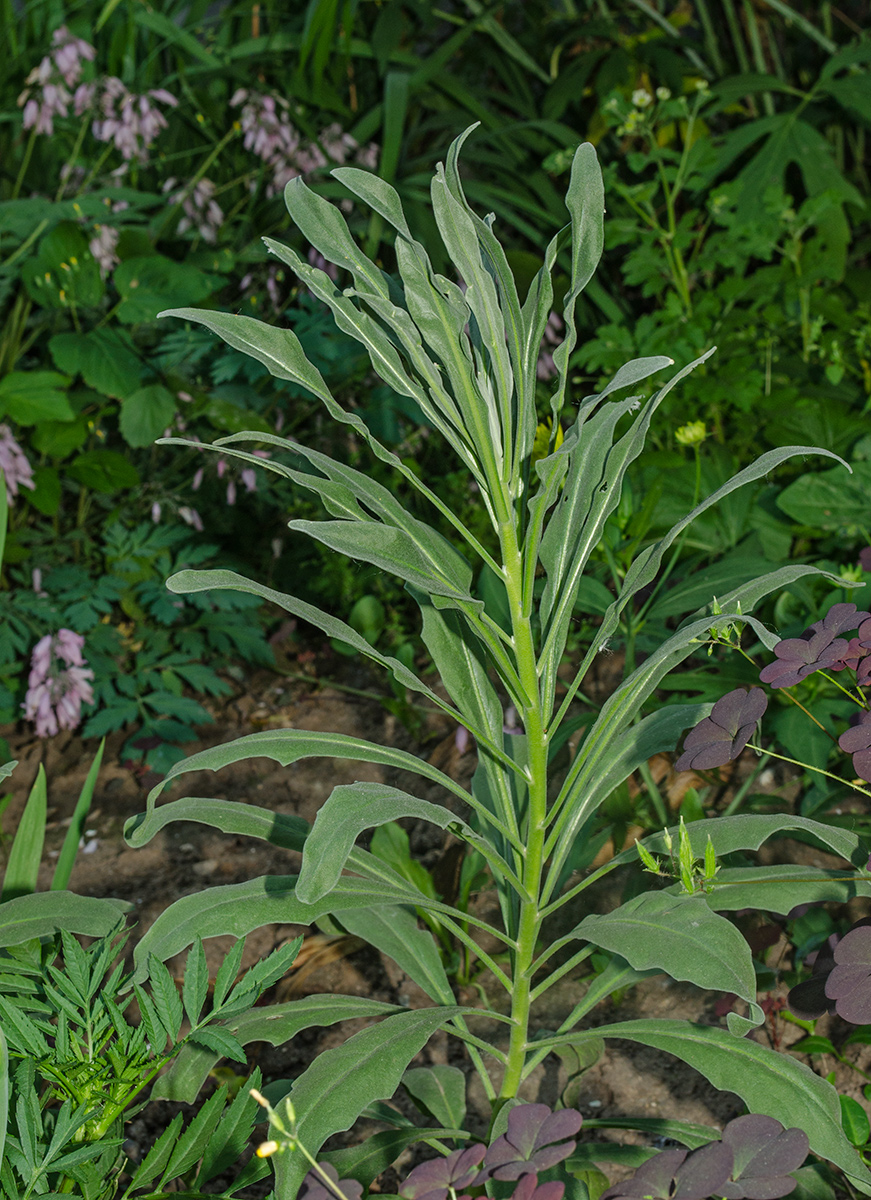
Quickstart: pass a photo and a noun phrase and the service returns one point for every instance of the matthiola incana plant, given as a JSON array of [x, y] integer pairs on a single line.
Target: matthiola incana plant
[[467, 355]]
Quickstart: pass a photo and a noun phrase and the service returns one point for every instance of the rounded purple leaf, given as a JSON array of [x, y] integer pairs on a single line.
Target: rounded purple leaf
[[849, 983], [722, 736]]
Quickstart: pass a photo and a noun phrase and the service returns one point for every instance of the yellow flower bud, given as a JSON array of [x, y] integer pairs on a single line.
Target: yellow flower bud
[[691, 434], [265, 1149]]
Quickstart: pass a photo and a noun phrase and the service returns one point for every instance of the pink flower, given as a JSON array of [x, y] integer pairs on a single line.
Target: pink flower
[[201, 210], [58, 684], [191, 517], [102, 245], [249, 479], [47, 94], [231, 492], [197, 479], [68, 646], [155, 511], [131, 122], [14, 464]]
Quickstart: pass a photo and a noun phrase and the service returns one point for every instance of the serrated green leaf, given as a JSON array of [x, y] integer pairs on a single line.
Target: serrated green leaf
[[227, 972], [195, 987], [164, 993], [145, 414], [157, 1157], [219, 1042], [192, 1143]]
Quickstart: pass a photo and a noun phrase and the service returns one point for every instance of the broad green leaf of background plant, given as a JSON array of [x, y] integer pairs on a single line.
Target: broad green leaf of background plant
[[29, 397], [105, 359], [145, 413], [148, 284]]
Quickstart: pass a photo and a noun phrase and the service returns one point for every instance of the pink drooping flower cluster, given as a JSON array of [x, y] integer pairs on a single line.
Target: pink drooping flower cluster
[[58, 683], [131, 122], [13, 462], [247, 474], [272, 136], [103, 245], [47, 94], [201, 211]]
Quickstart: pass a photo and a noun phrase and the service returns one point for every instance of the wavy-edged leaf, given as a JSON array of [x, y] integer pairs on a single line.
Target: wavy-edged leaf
[[184, 582], [577, 796], [275, 1024], [585, 200], [589, 497], [679, 934], [496, 264], [646, 564], [462, 666], [395, 932], [781, 887], [348, 810], [396, 551], [286, 746], [45, 913], [769, 1083], [237, 908], [440, 1091], [494, 365], [330, 1095], [244, 820], [200, 581]]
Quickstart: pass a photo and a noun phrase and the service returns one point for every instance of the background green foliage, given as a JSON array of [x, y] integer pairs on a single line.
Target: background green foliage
[[733, 140]]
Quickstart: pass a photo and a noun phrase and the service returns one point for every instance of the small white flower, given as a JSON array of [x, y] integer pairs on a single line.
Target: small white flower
[[641, 98], [663, 93]]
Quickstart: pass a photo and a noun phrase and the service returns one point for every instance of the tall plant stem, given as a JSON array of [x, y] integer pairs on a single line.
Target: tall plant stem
[[529, 917]]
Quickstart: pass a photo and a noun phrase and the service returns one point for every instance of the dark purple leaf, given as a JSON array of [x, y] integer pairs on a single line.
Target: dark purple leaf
[[799, 657], [653, 1179], [857, 741], [764, 1155], [434, 1178], [865, 558], [722, 736], [537, 1138], [675, 1175], [840, 618], [528, 1188], [313, 1186], [849, 983], [810, 999]]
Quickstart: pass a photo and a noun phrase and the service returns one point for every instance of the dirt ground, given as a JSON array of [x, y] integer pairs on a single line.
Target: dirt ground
[[627, 1081]]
